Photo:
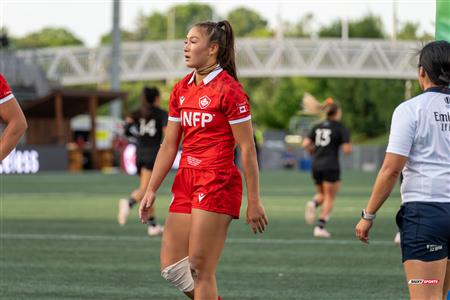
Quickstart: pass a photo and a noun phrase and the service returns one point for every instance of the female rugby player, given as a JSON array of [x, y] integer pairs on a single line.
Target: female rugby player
[[147, 125], [211, 111], [324, 143]]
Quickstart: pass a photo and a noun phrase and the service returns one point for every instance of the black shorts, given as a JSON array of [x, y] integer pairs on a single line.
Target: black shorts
[[424, 230], [320, 176], [145, 158]]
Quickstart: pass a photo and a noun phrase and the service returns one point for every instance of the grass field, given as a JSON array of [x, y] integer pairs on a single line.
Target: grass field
[[60, 240]]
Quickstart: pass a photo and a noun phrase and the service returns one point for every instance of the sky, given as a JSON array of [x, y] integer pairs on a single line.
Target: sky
[[89, 19]]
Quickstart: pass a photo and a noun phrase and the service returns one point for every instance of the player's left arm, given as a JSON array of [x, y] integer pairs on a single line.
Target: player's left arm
[[387, 178], [12, 115], [346, 144], [401, 138], [243, 135]]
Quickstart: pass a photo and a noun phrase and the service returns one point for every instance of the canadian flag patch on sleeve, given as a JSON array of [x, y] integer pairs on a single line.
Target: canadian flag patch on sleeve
[[242, 108]]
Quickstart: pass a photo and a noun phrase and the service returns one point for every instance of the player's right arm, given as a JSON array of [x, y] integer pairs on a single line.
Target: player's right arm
[[130, 128], [308, 143], [164, 161], [16, 124], [346, 144]]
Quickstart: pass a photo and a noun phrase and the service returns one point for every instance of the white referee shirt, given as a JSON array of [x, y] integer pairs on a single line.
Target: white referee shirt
[[420, 130]]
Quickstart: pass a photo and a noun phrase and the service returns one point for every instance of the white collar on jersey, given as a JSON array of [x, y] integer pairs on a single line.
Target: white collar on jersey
[[209, 77]]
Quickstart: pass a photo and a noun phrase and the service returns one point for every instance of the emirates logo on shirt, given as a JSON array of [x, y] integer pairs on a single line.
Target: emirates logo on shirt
[[204, 102]]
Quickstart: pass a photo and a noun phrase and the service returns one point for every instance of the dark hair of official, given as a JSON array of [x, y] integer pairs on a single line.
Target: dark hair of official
[[222, 34], [435, 60], [150, 95]]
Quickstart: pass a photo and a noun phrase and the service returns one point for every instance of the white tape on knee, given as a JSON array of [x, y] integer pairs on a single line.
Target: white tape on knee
[[179, 274]]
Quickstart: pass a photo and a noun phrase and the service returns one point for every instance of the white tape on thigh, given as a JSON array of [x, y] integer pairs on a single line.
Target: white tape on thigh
[[179, 274]]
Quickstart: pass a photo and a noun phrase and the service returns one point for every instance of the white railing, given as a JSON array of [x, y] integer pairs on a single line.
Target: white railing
[[366, 58]]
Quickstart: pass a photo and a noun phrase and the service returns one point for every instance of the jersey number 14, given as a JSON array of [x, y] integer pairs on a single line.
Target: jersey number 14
[[149, 128], [323, 137]]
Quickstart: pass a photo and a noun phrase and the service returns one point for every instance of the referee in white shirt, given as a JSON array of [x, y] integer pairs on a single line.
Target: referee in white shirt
[[419, 145]]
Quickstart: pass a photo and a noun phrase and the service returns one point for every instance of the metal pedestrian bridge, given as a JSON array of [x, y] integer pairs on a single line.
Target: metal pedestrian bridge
[[159, 60]]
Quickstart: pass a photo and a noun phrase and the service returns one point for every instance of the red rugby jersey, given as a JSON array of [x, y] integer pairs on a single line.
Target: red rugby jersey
[[205, 112], [5, 91]]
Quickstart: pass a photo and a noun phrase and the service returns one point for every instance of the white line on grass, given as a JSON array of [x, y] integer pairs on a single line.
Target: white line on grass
[[75, 237]]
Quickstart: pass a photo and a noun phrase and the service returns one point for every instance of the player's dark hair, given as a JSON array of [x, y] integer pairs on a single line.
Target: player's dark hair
[[150, 95], [332, 109], [222, 34], [435, 60]]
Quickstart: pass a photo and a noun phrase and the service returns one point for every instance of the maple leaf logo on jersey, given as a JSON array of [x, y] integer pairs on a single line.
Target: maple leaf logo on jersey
[[204, 101], [181, 100]]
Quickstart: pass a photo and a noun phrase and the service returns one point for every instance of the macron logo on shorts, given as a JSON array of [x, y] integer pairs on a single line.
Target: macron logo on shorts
[[201, 196]]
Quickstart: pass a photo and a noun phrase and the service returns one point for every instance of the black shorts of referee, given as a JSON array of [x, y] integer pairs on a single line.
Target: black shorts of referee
[[424, 230]]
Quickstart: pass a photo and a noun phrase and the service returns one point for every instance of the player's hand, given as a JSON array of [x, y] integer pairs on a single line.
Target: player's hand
[[256, 217], [146, 204], [362, 230]]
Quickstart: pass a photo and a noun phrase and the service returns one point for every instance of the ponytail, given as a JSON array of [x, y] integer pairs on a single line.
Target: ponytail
[[150, 94], [330, 107], [222, 34]]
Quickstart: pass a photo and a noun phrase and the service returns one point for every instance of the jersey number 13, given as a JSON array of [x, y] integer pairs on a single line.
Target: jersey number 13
[[323, 137]]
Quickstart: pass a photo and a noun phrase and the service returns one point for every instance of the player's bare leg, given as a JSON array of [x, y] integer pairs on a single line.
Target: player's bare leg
[[206, 241], [136, 196], [416, 269], [175, 242], [153, 228], [446, 288], [311, 206], [125, 205], [330, 190]]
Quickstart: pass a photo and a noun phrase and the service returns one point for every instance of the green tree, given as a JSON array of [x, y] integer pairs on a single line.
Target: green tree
[[152, 27], [369, 26], [410, 31], [174, 24], [49, 37], [300, 29], [275, 101], [332, 30], [367, 104], [248, 23], [125, 36], [183, 16]]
